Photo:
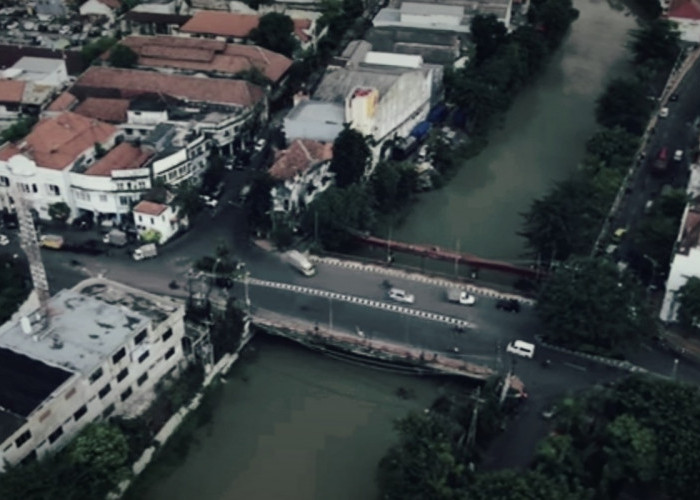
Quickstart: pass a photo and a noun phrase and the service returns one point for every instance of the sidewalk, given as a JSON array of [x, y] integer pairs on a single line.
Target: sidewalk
[[686, 346]]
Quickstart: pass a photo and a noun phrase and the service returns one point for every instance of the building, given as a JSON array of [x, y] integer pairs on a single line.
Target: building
[[208, 57], [435, 47], [441, 15], [152, 23], [151, 216], [54, 149], [39, 70], [302, 173], [181, 154], [11, 54], [103, 349], [53, 8], [101, 8], [685, 262], [315, 120], [384, 95], [234, 27], [162, 7], [686, 14]]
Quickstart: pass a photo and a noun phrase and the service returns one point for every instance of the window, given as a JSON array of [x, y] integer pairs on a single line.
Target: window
[[54, 190], [142, 184], [167, 334], [140, 337], [152, 221], [104, 391], [55, 435], [23, 438], [122, 374], [103, 198], [4, 181], [96, 375], [120, 186], [170, 353], [81, 411], [108, 411], [125, 395], [34, 188], [142, 379], [119, 355], [143, 357], [123, 200]]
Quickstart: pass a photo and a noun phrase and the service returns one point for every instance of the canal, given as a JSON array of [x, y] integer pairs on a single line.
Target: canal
[[292, 424]]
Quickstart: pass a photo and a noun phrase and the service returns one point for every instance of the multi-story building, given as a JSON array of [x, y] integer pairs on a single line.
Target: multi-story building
[[98, 351], [151, 216], [686, 14]]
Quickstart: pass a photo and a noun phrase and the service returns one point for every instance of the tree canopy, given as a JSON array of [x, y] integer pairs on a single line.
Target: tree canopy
[[689, 304], [15, 285], [351, 157], [587, 304], [624, 104], [488, 34], [276, 33], [656, 44], [122, 56]]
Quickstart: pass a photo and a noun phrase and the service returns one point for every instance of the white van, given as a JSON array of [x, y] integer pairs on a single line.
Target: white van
[[521, 348]]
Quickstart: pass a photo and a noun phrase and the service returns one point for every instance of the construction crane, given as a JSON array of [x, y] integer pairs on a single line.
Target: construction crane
[[28, 237]]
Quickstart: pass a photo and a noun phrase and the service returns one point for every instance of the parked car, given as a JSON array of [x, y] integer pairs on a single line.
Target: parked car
[[460, 297], [401, 296], [663, 112], [521, 348], [678, 155], [4, 240], [260, 145], [509, 305]]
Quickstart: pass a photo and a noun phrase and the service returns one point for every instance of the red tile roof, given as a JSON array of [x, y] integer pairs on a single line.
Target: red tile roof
[[301, 155], [107, 110], [150, 208], [123, 157], [211, 22], [684, 9], [113, 4], [63, 102], [57, 142], [229, 24], [198, 54], [131, 83], [11, 91]]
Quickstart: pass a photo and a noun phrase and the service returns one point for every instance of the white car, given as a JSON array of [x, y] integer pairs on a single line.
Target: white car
[[678, 155], [521, 348], [663, 112], [260, 145], [209, 201], [467, 299], [401, 296], [4, 240]]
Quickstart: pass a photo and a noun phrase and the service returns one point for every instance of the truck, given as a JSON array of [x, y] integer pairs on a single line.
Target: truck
[[116, 238], [460, 297], [145, 251], [52, 241], [301, 263]]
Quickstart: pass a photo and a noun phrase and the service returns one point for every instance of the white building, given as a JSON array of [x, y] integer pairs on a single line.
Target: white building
[[686, 14], [100, 8], [39, 70], [685, 262], [302, 173], [102, 350], [384, 95], [151, 216]]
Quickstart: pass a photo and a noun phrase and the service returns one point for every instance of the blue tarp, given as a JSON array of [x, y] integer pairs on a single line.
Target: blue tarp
[[421, 130], [438, 114]]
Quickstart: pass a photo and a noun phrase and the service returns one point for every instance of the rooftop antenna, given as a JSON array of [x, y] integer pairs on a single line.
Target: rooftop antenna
[[28, 234]]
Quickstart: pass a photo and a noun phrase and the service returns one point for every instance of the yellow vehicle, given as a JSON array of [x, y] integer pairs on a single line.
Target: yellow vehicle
[[619, 234], [51, 241]]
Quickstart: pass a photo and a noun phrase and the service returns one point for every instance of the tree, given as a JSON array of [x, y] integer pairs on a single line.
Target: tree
[[93, 50], [520, 485], [59, 212], [99, 454], [630, 451], [187, 200], [351, 157], [16, 285], [122, 56], [588, 304], [18, 130], [488, 34], [276, 33], [657, 43], [260, 200], [392, 185], [689, 304], [353, 8], [612, 148], [649, 9], [425, 463], [553, 17], [624, 104], [227, 331], [336, 211]]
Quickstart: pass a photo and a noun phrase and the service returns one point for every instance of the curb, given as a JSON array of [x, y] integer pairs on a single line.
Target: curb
[[373, 268], [614, 363]]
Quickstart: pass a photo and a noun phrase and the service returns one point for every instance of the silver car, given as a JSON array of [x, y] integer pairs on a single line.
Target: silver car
[[401, 296]]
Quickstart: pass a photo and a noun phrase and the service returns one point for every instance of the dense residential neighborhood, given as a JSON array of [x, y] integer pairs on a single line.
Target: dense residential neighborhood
[[181, 177]]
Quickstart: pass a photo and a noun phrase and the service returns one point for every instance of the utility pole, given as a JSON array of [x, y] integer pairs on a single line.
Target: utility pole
[[457, 259], [330, 314], [471, 434], [674, 372], [316, 228]]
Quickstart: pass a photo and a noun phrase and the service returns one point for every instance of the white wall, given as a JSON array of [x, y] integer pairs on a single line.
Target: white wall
[[164, 223], [689, 28]]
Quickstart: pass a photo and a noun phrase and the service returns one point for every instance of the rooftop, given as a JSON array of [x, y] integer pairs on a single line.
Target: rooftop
[[57, 142], [231, 24], [156, 18], [198, 54], [336, 84], [123, 157], [37, 67], [317, 111], [63, 102], [301, 155], [10, 54], [11, 91], [106, 110], [150, 208], [131, 83], [684, 9]]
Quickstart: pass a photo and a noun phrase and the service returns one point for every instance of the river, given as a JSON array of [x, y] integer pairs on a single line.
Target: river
[[295, 425], [542, 140]]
